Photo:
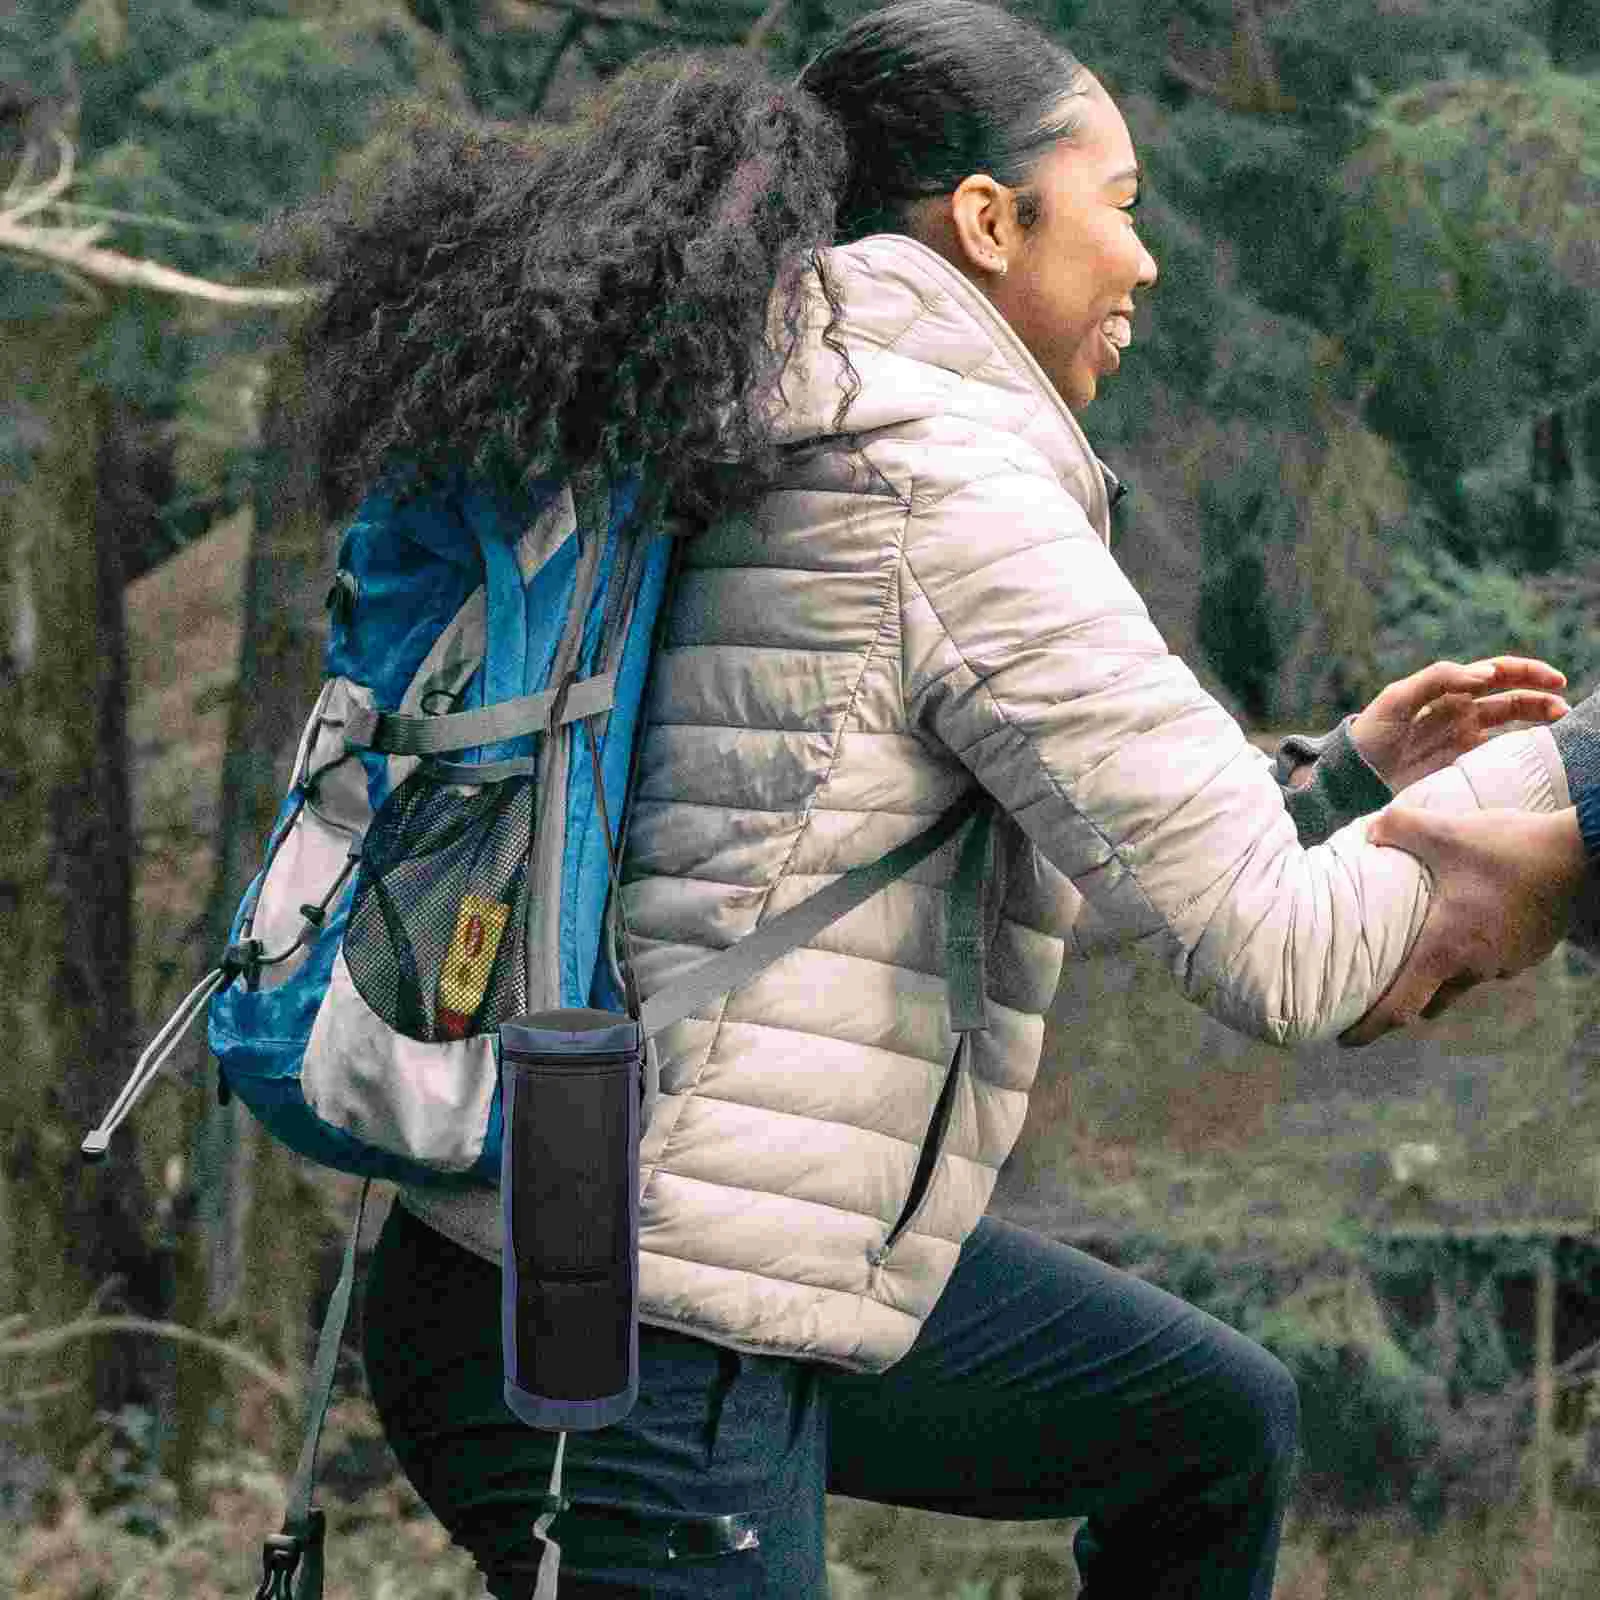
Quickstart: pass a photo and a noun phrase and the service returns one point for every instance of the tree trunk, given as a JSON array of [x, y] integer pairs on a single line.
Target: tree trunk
[[1550, 493], [1588, 430], [1252, 72], [66, 865], [248, 1266]]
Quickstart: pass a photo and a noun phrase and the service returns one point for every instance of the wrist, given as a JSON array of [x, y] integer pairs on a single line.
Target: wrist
[[1564, 840]]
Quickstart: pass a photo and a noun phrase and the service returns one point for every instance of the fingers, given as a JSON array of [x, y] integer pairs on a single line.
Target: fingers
[[1519, 705], [1406, 1000], [1410, 695], [1476, 678], [1400, 1005], [1446, 995], [1523, 672], [1420, 833]]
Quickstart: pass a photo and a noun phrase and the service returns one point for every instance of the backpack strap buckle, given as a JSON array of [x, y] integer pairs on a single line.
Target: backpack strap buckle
[[281, 1557]]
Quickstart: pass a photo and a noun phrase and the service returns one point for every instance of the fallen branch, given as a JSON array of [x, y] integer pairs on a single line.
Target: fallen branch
[[21, 200], [132, 272], [32, 1344], [75, 253]]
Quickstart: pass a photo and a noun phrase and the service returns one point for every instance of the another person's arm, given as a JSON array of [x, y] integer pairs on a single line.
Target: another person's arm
[[1507, 886]]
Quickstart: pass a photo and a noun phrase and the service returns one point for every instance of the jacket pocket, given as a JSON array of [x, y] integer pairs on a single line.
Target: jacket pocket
[[927, 1159]]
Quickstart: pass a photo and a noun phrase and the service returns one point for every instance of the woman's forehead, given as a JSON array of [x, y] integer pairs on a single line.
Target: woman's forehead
[[1099, 151]]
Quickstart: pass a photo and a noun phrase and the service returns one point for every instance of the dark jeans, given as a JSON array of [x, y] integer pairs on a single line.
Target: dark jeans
[[1045, 1384]]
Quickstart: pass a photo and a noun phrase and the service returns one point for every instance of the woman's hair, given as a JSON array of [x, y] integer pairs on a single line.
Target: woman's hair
[[625, 292], [928, 92], [595, 295]]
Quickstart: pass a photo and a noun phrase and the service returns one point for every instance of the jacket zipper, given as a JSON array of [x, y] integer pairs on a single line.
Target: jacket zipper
[[927, 1159]]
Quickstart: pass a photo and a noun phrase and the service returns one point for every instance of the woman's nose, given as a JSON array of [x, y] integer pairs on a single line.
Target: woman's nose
[[1148, 272]]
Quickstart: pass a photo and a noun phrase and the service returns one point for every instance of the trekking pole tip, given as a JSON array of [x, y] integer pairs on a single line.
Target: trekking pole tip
[[95, 1145]]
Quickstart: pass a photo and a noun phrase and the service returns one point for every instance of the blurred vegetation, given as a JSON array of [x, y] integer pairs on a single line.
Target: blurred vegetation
[[1362, 428]]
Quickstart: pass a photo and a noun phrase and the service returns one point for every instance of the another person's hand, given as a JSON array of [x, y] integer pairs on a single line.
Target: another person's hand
[[1504, 884], [1422, 723]]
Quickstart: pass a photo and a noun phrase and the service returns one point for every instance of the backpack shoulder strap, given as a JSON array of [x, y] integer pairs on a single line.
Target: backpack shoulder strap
[[738, 964]]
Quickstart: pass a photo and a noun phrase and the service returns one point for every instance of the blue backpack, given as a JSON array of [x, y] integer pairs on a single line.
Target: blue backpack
[[400, 914], [465, 631]]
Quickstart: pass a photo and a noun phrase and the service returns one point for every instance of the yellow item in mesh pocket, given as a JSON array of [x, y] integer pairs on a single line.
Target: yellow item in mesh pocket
[[465, 976]]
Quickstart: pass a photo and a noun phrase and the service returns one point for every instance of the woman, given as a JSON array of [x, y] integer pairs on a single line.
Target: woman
[[898, 589]]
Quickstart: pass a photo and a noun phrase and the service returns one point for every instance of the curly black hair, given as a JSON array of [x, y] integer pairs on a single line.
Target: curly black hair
[[620, 293], [624, 293]]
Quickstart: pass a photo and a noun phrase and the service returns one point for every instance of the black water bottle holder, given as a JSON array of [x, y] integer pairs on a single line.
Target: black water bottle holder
[[570, 1083]]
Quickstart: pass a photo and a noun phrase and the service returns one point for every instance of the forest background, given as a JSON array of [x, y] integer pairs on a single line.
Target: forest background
[[1362, 431]]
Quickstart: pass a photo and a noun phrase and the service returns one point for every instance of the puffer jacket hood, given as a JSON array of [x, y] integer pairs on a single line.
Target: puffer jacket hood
[[925, 604], [934, 347]]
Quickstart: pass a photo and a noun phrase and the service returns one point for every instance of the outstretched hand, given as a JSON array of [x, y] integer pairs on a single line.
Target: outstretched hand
[[1422, 723], [1504, 884]]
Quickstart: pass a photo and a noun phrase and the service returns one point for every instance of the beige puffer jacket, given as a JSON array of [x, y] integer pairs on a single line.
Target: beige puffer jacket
[[834, 677]]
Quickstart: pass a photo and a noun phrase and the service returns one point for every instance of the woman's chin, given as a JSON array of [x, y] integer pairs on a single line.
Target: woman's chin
[[1079, 389]]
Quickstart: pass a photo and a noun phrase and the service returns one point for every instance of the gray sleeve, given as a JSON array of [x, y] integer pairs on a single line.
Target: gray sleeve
[[1577, 737], [1342, 788]]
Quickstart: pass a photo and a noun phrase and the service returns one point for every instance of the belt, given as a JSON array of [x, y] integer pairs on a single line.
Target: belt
[[595, 1532]]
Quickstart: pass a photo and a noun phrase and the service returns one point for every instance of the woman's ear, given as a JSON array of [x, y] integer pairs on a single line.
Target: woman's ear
[[973, 228], [980, 216]]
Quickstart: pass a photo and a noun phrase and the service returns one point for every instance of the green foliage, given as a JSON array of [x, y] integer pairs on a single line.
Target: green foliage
[[1436, 606], [113, 1528], [117, 63], [1123, 42], [33, 49], [1335, 53], [260, 120], [1468, 217], [502, 69], [1265, 177], [1367, 1423], [197, 123], [1236, 624]]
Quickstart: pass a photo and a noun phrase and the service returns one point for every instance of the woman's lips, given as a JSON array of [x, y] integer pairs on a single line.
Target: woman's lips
[[1116, 334]]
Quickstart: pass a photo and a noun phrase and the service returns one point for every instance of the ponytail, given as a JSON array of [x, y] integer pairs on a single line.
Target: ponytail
[[624, 292]]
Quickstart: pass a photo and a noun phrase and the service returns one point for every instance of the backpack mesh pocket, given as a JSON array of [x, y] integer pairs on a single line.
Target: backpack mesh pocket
[[434, 939]]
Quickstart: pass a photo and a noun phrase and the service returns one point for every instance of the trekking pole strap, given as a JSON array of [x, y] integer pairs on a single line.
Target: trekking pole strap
[[732, 968], [297, 1549]]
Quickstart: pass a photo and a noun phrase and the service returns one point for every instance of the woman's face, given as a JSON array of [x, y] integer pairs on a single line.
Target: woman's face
[[1070, 278]]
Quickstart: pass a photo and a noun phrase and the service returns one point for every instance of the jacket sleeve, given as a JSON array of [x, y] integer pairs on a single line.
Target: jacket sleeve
[[1341, 786], [1029, 655]]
